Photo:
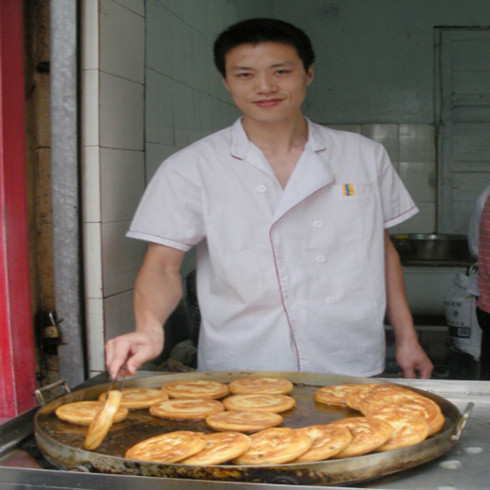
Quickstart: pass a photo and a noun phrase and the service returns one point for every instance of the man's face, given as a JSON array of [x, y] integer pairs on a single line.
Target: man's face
[[267, 81]]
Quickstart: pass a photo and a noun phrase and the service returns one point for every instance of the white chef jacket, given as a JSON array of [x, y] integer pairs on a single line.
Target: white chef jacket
[[288, 279]]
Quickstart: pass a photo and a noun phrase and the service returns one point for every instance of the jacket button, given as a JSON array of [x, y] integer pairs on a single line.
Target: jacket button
[[261, 188], [320, 258]]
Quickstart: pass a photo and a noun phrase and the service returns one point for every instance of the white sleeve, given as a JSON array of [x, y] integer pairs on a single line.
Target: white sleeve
[[397, 203], [170, 211]]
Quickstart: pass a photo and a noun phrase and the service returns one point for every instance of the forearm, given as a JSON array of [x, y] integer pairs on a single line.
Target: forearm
[[157, 292], [397, 307], [409, 353]]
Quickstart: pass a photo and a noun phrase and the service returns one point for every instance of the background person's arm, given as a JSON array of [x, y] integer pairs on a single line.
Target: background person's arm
[[409, 353], [157, 292]]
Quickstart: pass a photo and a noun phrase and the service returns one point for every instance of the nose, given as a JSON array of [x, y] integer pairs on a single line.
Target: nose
[[264, 83]]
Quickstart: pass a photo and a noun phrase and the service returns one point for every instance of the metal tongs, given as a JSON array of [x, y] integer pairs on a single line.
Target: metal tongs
[[120, 376]]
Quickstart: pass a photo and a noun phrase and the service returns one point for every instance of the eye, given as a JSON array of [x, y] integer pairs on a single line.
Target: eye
[[282, 71], [243, 75]]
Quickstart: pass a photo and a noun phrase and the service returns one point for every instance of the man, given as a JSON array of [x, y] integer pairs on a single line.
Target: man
[[479, 244], [295, 270]]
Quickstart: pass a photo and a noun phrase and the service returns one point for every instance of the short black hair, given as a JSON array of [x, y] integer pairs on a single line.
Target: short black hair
[[261, 30]]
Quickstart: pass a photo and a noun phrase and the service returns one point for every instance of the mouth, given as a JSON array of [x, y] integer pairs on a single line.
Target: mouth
[[267, 102]]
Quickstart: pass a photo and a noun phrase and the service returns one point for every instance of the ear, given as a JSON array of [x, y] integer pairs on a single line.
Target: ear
[[225, 83], [309, 75]]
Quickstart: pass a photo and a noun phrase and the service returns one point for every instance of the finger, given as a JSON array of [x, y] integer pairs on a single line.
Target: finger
[[116, 355], [426, 373], [409, 373], [140, 355]]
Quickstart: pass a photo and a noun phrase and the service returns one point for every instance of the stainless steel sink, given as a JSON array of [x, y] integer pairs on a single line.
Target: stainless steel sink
[[432, 248]]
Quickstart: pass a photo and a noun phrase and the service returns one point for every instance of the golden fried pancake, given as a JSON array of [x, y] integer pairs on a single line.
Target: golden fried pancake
[[186, 409], [243, 420], [390, 389], [377, 397], [195, 388], [383, 393], [275, 446], [333, 395], [139, 398], [417, 403], [261, 384], [328, 440], [220, 447], [270, 402], [354, 396], [83, 412], [102, 422], [428, 408], [168, 448], [368, 433], [409, 427]]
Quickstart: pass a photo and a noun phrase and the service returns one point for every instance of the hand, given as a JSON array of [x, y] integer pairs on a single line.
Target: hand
[[135, 348], [413, 361]]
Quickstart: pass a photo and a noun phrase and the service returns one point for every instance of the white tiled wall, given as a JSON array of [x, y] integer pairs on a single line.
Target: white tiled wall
[[185, 98], [113, 170], [412, 150]]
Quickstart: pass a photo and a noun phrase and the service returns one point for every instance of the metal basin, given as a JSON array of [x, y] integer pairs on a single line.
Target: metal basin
[[432, 247]]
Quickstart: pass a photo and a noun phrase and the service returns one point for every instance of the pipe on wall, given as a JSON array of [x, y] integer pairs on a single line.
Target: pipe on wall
[[65, 188]]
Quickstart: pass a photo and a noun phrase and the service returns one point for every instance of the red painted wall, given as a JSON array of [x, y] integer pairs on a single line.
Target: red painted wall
[[17, 352]]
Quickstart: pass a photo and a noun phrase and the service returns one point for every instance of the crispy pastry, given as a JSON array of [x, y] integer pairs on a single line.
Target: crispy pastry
[[220, 447], [368, 433], [353, 398], [270, 402], [275, 446], [139, 398], [409, 399], [382, 393], [261, 384], [83, 412], [327, 441], [168, 448], [333, 395], [186, 409], [102, 422], [195, 388], [409, 427], [243, 420]]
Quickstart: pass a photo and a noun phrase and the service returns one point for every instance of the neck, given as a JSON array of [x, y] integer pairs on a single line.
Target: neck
[[282, 143], [281, 135]]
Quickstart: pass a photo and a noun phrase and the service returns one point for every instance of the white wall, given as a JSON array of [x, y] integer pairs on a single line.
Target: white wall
[[375, 58], [113, 76]]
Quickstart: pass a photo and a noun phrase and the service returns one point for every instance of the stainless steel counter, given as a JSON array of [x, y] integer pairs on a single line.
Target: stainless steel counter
[[465, 467]]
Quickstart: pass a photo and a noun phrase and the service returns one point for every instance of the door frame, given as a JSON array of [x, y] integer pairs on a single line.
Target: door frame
[[443, 122], [17, 347]]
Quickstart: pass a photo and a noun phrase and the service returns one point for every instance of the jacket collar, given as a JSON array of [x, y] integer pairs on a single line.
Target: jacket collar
[[241, 145]]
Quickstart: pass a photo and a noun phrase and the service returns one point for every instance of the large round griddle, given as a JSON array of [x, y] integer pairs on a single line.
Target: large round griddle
[[61, 443]]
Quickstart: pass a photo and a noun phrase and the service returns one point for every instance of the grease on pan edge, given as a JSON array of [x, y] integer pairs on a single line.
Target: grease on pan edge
[[473, 450], [452, 464]]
